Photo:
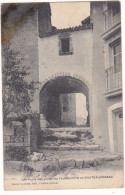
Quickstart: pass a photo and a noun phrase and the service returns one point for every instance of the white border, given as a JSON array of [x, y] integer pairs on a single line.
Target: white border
[[61, 192]]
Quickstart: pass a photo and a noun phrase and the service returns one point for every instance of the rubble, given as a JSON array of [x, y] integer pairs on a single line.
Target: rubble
[[36, 157]]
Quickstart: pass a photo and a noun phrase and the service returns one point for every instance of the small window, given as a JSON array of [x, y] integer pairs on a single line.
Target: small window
[[65, 45], [65, 102]]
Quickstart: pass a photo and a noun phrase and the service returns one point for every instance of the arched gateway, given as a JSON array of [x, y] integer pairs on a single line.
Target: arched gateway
[[64, 101]]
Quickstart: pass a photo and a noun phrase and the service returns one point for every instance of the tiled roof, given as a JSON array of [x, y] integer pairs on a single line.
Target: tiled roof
[[86, 21], [72, 29]]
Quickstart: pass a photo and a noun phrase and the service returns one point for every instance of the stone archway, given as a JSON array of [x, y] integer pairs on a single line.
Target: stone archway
[[51, 95]]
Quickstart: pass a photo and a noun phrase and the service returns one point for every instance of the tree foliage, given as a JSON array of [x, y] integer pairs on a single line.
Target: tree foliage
[[17, 91]]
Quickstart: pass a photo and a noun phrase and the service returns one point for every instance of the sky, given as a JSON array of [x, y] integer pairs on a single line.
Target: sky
[[69, 14]]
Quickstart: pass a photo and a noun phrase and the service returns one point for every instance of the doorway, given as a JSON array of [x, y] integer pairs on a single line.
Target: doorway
[[119, 132], [73, 109], [115, 123]]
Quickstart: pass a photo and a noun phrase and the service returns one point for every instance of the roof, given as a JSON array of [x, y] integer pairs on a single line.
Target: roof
[[71, 29], [86, 20]]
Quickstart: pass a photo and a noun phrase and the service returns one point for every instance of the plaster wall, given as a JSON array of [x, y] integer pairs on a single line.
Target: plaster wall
[[100, 103], [78, 65], [80, 62]]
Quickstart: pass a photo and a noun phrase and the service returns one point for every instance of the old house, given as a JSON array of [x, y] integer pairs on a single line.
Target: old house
[[66, 69], [79, 69], [107, 75], [90, 53]]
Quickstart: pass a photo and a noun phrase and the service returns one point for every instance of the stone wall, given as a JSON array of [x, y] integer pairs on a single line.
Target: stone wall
[[15, 135], [21, 133]]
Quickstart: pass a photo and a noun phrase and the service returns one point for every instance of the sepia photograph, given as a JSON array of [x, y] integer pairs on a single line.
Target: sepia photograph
[[62, 95]]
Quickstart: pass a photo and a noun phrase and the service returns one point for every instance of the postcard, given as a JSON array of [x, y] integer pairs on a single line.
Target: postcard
[[62, 95]]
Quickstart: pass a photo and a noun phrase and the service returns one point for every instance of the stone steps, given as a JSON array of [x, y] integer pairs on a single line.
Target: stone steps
[[68, 129], [67, 147], [71, 154], [67, 139], [61, 164]]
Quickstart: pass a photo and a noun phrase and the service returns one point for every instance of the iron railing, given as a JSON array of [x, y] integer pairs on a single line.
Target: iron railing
[[113, 79]]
